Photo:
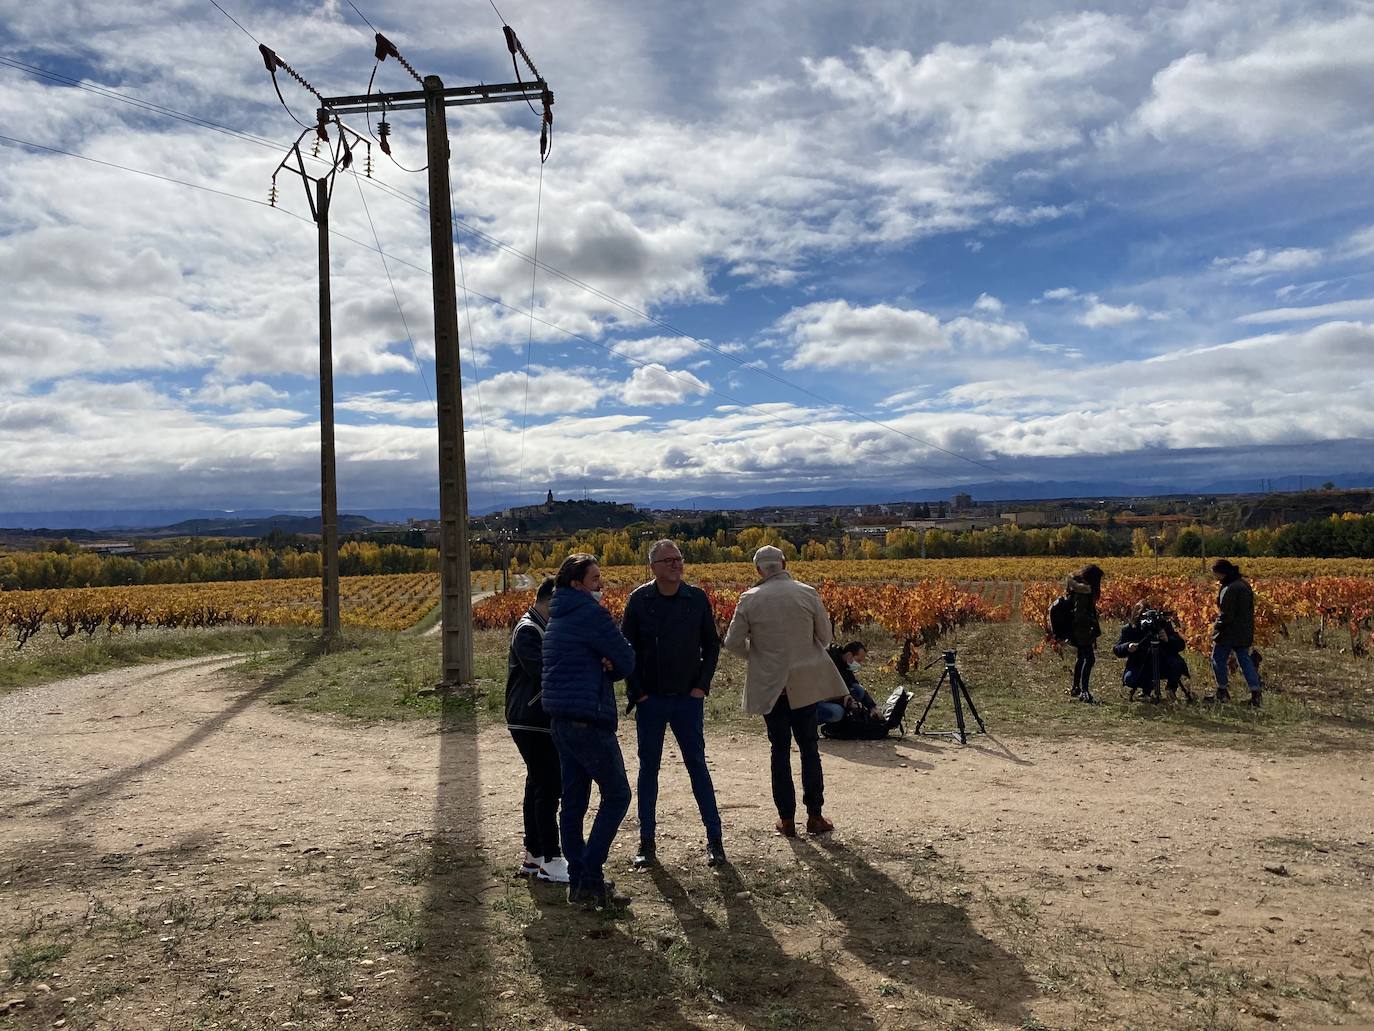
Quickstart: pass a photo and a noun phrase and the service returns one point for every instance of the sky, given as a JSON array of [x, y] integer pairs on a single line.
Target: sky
[[786, 247]]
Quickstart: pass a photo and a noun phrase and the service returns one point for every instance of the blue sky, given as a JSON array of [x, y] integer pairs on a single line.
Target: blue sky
[[909, 245]]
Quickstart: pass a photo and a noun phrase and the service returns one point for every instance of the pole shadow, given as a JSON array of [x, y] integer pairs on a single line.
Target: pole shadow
[[92, 791]]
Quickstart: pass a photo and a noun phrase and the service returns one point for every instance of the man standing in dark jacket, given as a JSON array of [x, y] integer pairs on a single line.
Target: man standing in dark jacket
[[1233, 631], [584, 655], [670, 625], [528, 724]]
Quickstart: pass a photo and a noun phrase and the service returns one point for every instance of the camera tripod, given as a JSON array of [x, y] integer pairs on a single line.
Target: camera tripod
[[958, 691], [1150, 692]]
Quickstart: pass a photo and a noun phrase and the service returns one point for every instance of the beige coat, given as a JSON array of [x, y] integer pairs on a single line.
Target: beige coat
[[782, 629]]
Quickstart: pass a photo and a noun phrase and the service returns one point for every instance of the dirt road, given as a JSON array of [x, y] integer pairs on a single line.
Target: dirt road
[[175, 851]]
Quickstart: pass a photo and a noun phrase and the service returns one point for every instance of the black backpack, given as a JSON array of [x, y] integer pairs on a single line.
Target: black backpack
[[1061, 618], [894, 709], [855, 726]]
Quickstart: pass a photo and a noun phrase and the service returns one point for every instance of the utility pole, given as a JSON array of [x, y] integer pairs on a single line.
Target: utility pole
[[318, 192], [434, 98], [329, 492]]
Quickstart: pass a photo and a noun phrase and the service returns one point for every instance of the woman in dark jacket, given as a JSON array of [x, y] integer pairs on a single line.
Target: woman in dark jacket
[[1233, 631], [1084, 587], [528, 724]]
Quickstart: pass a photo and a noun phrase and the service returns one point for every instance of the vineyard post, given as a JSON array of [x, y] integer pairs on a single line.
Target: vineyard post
[[455, 563]]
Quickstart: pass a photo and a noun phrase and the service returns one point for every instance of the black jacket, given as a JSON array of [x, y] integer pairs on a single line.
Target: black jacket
[[675, 641], [1138, 672], [851, 682], [524, 672]]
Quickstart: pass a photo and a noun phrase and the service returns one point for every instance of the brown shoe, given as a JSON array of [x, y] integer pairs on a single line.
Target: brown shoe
[[787, 828], [818, 825]]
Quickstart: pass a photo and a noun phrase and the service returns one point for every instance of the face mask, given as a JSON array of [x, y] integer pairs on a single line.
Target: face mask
[[854, 667], [595, 594]]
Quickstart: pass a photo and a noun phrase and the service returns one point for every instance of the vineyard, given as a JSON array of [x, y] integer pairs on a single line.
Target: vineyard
[[391, 602], [1329, 601]]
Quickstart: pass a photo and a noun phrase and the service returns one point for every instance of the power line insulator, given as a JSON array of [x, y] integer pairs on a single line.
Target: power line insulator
[[383, 136], [367, 164], [272, 193], [315, 148]]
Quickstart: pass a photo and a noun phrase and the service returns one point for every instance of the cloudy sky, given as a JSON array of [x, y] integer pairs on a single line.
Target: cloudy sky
[[790, 246]]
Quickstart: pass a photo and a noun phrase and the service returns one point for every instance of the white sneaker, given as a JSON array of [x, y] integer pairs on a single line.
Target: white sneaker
[[530, 866], [555, 870]]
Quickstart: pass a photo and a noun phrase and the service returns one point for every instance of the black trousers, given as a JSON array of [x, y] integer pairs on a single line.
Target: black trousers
[[1083, 668], [543, 786], [784, 724]]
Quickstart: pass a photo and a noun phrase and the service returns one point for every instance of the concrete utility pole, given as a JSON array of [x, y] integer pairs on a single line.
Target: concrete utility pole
[[454, 560]]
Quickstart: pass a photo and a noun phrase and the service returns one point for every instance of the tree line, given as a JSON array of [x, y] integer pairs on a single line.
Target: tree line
[[67, 565]]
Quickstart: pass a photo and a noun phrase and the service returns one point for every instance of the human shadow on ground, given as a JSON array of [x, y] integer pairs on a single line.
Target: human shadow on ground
[[744, 967], [604, 971], [929, 944], [888, 753]]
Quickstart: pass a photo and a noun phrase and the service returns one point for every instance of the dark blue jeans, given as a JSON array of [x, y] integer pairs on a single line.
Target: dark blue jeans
[[589, 754], [1221, 653], [687, 716]]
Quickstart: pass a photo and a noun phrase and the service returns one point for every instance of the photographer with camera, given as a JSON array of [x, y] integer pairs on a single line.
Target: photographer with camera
[[1153, 651]]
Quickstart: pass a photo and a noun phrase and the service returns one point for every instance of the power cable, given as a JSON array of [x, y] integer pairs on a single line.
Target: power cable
[[236, 22], [691, 383], [395, 296], [537, 266], [529, 341], [361, 15]]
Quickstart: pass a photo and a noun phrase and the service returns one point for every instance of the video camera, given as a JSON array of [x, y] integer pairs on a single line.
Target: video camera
[[1154, 620]]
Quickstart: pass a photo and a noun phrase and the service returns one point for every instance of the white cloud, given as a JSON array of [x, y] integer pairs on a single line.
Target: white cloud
[[1334, 310], [1026, 93], [1099, 314], [832, 334], [655, 385], [1259, 263], [1306, 77], [662, 348]]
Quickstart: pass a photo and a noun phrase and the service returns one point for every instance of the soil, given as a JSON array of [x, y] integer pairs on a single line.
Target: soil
[[174, 851]]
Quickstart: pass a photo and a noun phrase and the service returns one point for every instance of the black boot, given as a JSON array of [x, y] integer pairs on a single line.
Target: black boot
[[646, 857], [715, 852]]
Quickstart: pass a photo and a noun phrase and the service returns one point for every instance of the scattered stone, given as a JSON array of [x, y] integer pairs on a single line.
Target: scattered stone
[[1279, 871], [1211, 912], [508, 994], [310, 994], [344, 1001]]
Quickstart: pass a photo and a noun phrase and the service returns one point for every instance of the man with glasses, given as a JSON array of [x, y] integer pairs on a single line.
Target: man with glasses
[[670, 625]]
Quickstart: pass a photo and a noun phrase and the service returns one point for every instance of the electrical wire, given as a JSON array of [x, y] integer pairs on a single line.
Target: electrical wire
[[529, 341], [361, 15], [692, 383], [538, 265], [235, 21], [395, 296]]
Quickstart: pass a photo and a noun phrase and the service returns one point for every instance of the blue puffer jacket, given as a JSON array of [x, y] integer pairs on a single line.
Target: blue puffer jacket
[[581, 633]]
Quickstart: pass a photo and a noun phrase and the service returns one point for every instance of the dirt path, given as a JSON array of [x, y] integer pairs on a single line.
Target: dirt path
[[181, 848]]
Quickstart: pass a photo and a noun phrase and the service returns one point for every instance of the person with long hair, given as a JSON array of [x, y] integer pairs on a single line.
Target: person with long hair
[[1084, 586]]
